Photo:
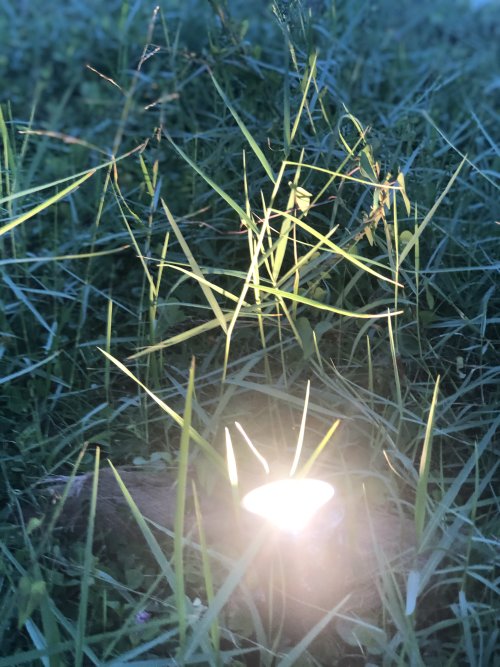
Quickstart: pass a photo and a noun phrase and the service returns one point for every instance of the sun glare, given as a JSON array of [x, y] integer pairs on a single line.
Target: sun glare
[[289, 504]]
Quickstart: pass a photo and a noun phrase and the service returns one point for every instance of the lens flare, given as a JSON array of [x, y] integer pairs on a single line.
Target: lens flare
[[289, 504]]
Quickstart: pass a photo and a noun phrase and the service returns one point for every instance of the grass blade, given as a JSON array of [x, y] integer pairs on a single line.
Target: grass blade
[[48, 202], [209, 295], [425, 461], [248, 136], [180, 510], [154, 547], [87, 567], [204, 444]]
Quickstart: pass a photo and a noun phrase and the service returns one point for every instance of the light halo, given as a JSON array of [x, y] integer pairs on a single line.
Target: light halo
[[289, 504]]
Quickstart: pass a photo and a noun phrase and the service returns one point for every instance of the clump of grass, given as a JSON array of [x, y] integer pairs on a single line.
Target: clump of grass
[[306, 196]]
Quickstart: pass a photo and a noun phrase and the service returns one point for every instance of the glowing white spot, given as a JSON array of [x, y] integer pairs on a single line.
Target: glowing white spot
[[288, 503]]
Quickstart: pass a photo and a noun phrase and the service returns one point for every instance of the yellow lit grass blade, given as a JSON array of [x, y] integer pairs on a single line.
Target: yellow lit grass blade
[[180, 510], [183, 336], [286, 226], [312, 72], [256, 250], [323, 306], [214, 456], [344, 177], [48, 202], [209, 295], [246, 286], [300, 440], [336, 249], [232, 468], [306, 468], [251, 246], [253, 448], [425, 461]]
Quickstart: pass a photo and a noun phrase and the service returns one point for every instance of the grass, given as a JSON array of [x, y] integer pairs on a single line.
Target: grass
[[296, 194]]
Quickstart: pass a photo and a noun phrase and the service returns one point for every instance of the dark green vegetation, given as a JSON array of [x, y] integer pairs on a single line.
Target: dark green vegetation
[[297, 194]]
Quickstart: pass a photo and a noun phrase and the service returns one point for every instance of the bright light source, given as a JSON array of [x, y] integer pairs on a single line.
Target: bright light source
[[289, 503]]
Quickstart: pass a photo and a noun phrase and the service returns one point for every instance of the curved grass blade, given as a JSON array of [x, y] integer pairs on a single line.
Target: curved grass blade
[[323, 306]]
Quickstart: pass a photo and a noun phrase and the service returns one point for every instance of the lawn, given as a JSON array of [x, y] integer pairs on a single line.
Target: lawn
[[283, 215]]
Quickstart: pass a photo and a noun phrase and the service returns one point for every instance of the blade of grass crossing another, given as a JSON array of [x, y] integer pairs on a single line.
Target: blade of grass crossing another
[[180, 510], [245, 288], [319, 305], [48, 202], [286, 226], [154, 547], [336, 249], [209, 295], [223, 594], [295, 653], [87, 566], [227, 198], [214, 456]]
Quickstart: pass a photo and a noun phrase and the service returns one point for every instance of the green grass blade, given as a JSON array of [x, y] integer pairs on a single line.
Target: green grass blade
[[180, 510], [154, 547], [207, 570], [62, 258], [87, 567], [204, 444], [248, 135], [418, 232], [48, 202], [223, 594], [292, 656], [225, 196]]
